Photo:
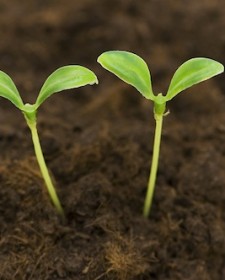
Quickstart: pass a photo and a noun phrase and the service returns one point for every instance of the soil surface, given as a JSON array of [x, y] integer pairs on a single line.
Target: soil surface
[[98, 145]]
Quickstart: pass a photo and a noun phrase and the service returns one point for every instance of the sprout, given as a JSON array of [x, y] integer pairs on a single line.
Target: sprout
[[67, 77], [133, 70]]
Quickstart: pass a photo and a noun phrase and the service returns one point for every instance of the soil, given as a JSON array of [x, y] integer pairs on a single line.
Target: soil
[[98, 145]]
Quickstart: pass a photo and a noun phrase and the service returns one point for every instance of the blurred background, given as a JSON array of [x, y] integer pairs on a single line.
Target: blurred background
[[38, 36]]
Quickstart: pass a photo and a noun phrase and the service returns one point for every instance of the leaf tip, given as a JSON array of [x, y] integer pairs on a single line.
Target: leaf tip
[[95, 81], [99, 59]]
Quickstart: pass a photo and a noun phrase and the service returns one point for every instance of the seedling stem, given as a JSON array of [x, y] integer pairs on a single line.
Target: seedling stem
[[154, 165], [43, 167]]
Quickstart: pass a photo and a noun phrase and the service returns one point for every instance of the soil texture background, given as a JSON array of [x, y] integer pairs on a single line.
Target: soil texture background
[[97, 141]]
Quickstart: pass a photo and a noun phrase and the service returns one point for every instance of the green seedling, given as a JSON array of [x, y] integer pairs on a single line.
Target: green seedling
[[67, 77], [133, 70]]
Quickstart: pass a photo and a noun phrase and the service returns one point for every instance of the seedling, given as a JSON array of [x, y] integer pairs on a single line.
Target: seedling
[[67, 77], [133, 70]]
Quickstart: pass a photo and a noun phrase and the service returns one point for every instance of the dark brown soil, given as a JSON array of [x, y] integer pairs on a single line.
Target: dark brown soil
[[98, 145]]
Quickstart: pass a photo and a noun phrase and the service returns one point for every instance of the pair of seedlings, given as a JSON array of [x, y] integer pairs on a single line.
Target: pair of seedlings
[[131, 69]]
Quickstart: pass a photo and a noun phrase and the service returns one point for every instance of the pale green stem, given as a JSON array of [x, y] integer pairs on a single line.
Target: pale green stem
[[43, 168], [154, 166]]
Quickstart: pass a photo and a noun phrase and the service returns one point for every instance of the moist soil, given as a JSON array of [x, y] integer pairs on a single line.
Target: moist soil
[[98, 145]]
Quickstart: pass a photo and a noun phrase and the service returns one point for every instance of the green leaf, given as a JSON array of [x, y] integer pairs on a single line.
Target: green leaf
[[193, 72], [130, 68], [67, 77], [9, 91]]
